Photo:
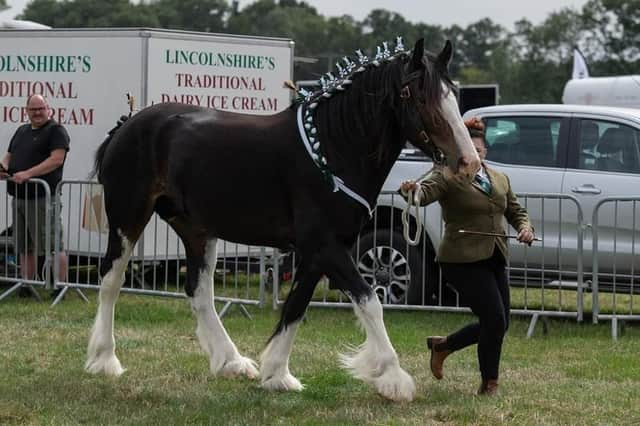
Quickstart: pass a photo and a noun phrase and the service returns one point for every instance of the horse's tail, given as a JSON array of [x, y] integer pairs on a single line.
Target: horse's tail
[[103, 148]]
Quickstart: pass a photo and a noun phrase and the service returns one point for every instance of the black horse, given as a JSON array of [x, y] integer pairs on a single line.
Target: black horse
[[304, 179]]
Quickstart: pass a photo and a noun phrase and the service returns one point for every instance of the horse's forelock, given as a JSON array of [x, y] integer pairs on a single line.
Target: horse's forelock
[[434, 89]]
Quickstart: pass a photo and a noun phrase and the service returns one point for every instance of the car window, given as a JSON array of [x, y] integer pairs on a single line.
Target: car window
[[608, 146], [410, 152], [523, 140]]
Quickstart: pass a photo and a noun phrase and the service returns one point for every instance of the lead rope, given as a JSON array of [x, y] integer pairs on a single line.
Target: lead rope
[[412, 201]]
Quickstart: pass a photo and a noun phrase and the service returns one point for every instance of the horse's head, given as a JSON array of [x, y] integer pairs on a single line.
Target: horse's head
[[430, 114]]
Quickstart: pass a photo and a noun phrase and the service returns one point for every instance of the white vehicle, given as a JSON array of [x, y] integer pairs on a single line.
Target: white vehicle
[[86, 73], [587, 152], [15, 24], [620, 91]]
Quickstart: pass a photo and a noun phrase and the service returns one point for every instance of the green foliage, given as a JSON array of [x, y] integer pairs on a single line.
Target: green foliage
[[196, 15], [89, 13], [531, 63]]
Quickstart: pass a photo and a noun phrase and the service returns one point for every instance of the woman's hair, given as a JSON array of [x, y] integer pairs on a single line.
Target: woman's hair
[[476, 127]]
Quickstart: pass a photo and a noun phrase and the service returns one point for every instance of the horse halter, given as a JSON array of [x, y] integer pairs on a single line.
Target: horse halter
[[437, 155]]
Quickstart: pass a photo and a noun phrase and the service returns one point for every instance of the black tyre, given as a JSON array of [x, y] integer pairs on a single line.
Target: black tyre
[[392, 268]]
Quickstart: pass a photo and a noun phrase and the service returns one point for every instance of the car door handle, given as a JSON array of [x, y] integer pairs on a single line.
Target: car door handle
[[587, 188]]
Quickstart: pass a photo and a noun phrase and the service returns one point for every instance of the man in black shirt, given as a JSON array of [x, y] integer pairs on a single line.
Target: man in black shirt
[[38, 149]]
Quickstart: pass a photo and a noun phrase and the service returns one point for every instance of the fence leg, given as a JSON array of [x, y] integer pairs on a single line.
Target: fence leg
[[60, 295], [81, 295], [614, 328], [532, 325], [16, 287], [228, 305], [534, 321], [10, 291]]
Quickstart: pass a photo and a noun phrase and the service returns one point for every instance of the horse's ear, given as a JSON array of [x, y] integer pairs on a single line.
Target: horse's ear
[[445, 56], [418, 54]]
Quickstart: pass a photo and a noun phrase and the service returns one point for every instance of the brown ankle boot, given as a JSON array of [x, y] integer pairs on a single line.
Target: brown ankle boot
[[488, 387], [437, 356]]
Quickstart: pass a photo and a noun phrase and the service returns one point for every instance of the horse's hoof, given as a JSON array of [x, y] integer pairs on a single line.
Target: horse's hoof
[[396, 384], [109, 365], [282, 383], [241, 366]]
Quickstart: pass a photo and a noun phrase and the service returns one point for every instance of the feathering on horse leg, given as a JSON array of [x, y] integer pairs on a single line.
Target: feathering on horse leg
[[274, 361], [224, 358], [275, 357], [375, 361], [101, 356]]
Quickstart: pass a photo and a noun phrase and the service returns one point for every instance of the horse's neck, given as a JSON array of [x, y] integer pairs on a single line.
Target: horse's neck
[[365, 169], [359, 127]]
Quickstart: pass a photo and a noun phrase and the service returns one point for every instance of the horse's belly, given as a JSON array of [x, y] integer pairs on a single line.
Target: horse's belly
[[248, 221]]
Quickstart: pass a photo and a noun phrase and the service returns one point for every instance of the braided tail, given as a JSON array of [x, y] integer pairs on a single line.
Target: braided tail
[[102, 149]]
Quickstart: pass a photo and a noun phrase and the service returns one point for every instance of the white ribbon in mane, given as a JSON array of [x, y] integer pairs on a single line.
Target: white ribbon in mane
[[337, 182]]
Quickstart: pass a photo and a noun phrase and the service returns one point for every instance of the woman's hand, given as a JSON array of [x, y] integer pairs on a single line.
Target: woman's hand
[[409, 186], [526, 236]]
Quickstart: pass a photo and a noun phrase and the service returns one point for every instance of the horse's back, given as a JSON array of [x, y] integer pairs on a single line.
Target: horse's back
[[214, 167]]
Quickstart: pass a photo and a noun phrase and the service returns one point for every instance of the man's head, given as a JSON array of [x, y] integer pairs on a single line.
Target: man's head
[[38, 110]]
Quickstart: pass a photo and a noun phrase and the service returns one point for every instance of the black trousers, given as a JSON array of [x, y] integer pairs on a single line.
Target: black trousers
[[482, 287]]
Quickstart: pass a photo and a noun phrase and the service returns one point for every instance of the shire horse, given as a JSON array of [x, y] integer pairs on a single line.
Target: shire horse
[[303, 179]]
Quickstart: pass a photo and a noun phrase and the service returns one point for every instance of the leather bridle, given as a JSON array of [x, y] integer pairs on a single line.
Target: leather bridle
[[406, 96]]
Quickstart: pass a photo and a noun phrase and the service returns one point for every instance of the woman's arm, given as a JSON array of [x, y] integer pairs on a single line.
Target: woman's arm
[[518, 217], [431, 187]]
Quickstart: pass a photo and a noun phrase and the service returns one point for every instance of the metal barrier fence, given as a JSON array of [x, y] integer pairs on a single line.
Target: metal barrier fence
[[562, 276], [157, 266], [616, 240], [36, 190]]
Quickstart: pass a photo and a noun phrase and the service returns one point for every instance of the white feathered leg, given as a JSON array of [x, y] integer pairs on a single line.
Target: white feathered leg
[[375, 361], [101, 353], [275, 361], [224, 358]]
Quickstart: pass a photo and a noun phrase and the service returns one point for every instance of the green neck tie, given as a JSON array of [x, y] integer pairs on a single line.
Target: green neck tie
[[484, 183]]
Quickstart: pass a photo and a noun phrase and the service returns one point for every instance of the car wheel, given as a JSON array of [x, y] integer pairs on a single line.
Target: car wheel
[[390, 266]]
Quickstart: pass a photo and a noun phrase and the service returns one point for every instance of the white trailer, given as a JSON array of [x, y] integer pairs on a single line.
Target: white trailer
[[620, 91], [86, 73]]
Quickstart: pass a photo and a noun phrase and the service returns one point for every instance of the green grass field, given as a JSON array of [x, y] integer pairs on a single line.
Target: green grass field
[[573, 375]]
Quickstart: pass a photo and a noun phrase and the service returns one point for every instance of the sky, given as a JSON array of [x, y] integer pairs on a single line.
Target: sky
[[442, 12]]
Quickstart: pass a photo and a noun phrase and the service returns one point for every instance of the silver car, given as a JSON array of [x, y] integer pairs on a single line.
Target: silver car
[[577, 155]]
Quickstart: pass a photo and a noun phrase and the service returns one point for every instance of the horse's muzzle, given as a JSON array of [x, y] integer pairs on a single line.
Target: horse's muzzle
[[468, 166]]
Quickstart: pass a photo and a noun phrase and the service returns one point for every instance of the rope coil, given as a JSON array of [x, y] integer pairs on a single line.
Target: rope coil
[[413, 200]]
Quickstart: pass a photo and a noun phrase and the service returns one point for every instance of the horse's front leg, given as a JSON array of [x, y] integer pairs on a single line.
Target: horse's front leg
[[275, 358], [375, 361]]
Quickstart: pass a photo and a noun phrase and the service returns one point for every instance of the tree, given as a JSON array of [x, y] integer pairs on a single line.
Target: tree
[[195, 15], [88, 13], [613, 40]]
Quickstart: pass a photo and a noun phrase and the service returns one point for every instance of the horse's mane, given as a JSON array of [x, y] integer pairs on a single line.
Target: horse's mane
[[368, 108]]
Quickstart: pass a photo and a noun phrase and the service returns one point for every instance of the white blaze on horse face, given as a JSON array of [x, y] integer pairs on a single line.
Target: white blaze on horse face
[[463, 152]]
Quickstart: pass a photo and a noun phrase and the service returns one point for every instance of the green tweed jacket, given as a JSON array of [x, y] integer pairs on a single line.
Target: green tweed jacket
[[466, 206]]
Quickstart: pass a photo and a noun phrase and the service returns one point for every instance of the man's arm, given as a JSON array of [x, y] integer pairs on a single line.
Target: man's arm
[[4, 165], [55, 160]]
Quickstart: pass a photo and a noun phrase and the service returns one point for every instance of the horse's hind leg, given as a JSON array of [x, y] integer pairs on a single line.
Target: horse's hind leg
[[275, 358], [101, 356], [224, 358]]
